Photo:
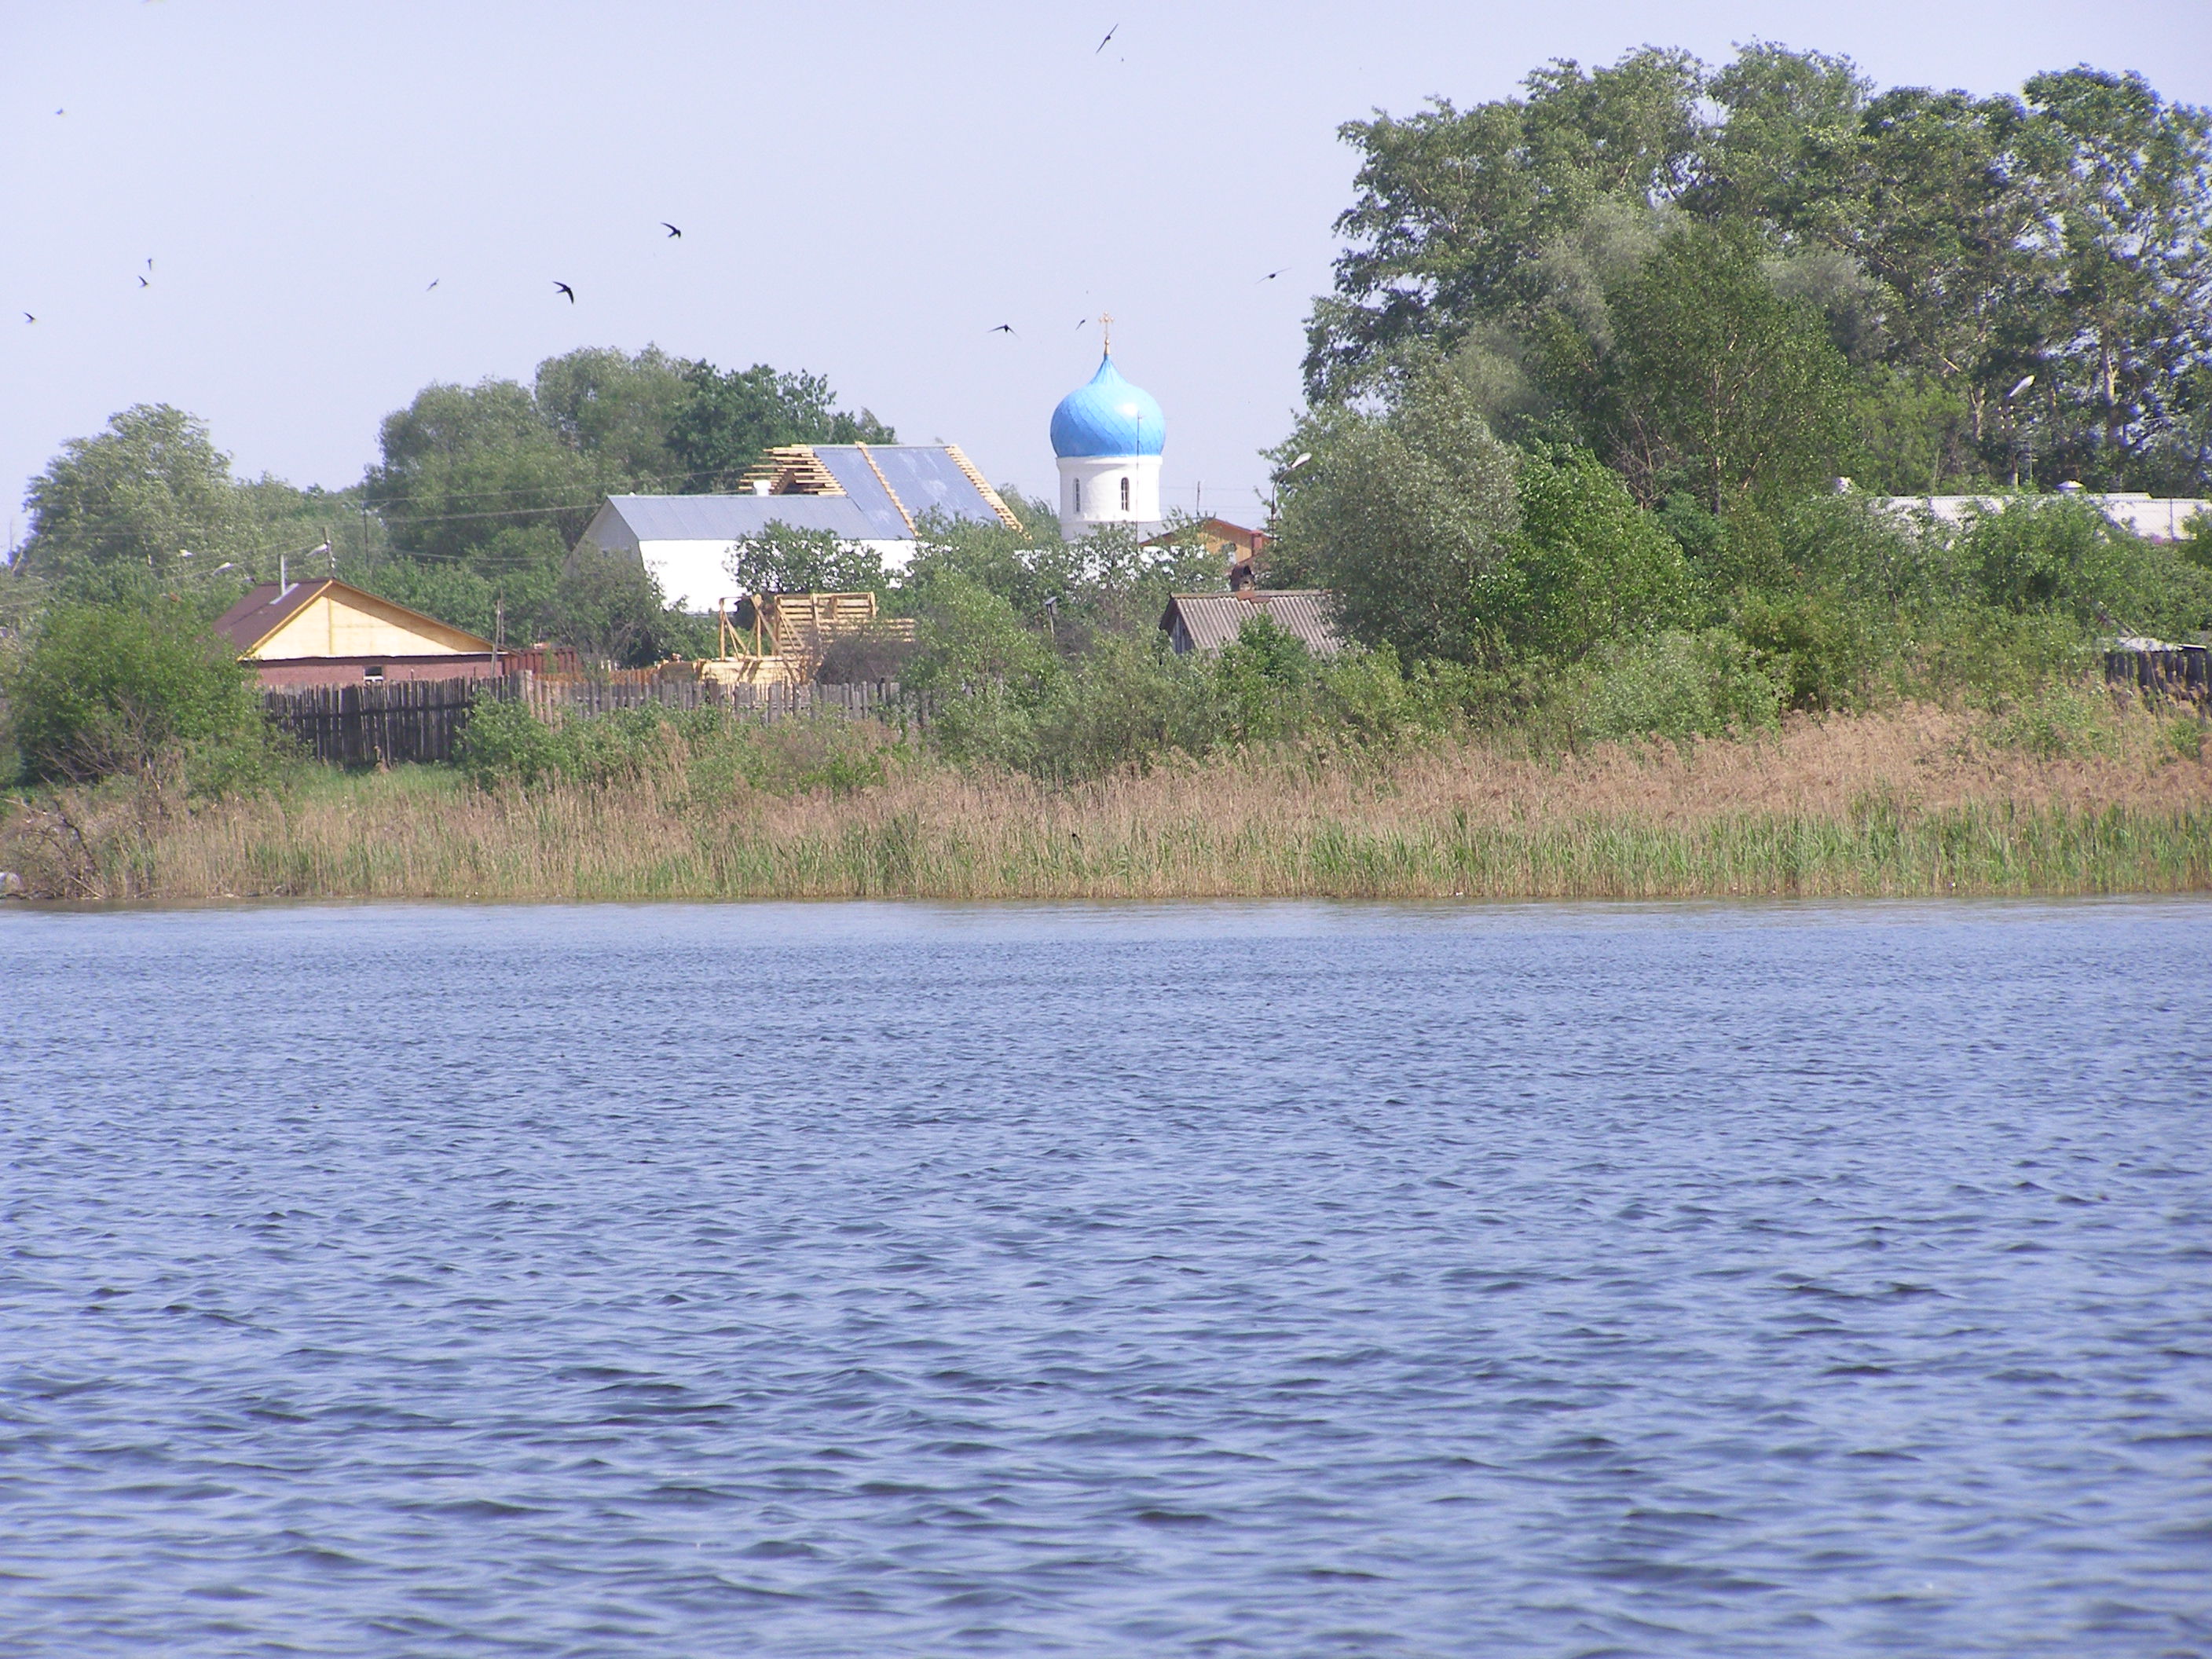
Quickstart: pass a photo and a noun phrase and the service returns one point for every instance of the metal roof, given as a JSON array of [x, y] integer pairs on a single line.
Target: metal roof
[[736, 518], [878, 480], [1209, 621]]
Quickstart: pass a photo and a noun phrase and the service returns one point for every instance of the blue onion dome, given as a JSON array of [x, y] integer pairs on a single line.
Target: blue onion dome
[[1109, 416]]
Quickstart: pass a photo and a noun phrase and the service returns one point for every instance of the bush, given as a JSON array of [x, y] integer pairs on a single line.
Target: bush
[[716, 753], [1820, 651], [1586, 564], [1680, 685], [1265, 679], [2064, 557], [1130, 703], [108, 689], [1995, 658]]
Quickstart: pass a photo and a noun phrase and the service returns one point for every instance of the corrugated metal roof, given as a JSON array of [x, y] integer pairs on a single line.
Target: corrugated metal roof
[[1209, 621]]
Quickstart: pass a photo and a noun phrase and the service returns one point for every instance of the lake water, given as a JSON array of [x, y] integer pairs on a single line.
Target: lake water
[[1220, 1280]]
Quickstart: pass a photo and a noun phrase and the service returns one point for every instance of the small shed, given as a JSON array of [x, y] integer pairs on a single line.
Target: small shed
[[1210, 621], [328, 632]]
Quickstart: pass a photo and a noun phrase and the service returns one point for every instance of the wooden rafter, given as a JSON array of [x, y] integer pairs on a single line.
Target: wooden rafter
[[1006, 513], [792, 469]]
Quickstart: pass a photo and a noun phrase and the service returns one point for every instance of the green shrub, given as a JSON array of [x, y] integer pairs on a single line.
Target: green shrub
[[504, 743], [106, 689], [1586, 564], [1680, 685], [2060, 722], [1818, 651], [1993, 658], [718, 753], [1130, 703], [1265, 679], [2064, 557]]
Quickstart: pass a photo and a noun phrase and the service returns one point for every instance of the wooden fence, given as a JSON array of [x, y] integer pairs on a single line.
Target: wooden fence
[[2173, 671], [423, 720], [363, 724]]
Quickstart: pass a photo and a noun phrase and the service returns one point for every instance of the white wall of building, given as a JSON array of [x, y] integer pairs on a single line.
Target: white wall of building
[[1091, 493], [696, 575]]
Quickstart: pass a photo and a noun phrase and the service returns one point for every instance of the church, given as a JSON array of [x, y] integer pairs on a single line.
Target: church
[[1107, 436]]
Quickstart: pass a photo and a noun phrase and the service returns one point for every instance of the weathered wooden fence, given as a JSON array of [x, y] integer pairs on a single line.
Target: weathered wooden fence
[[363, 724], [2173, 671], [423, 720]]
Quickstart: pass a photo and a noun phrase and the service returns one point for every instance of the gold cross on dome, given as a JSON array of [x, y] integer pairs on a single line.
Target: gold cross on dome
[[1106, 329]]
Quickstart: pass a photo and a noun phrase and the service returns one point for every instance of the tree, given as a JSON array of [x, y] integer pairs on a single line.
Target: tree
[[730, 418], [1788, 150], [1586, 564], [462, 464], [1405, 516], [611, 609], [2129, 180], [1453, 207], [149, 488], [1717, 383], [785, 558], [622, 410]]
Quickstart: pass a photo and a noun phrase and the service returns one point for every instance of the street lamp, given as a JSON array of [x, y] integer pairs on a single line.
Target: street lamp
[[2012, 428]]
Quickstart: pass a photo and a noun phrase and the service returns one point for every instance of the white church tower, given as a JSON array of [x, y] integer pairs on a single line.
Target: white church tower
[[1108, 436]]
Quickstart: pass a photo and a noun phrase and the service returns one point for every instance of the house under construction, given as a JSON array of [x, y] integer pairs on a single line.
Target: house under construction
[[783, 639]]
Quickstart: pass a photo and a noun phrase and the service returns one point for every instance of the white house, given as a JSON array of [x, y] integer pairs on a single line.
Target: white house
[[870, 495]]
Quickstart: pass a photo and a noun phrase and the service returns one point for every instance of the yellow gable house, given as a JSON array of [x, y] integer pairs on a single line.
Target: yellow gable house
[[330, 633]]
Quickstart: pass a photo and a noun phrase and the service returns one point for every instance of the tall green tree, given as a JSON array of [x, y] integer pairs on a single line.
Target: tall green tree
[[1453, 206], [1716, 382], [477, 473], [149, 489], [730, 417], [1406, 516], [2127, 178]]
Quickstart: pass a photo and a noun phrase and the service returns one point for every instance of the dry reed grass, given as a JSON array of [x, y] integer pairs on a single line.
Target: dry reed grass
[[1914, 801]]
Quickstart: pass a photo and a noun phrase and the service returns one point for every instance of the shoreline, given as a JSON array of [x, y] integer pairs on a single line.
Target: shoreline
[[1914, 802]]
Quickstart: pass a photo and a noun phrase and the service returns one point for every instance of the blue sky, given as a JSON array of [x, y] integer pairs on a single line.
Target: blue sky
[[865, 191]]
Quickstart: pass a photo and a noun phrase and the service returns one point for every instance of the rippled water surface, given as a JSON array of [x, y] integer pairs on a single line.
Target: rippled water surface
[[1286, 1280]]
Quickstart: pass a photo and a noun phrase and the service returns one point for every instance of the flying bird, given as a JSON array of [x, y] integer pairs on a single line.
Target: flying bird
[[433, 283], [670, 228], [1003, 328], [1271, 276], [566, 290], [1110, 33], [142, 282], [29, 317]]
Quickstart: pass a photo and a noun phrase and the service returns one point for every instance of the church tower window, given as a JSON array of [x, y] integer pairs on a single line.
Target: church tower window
[[1078, 494], [1125, 494]]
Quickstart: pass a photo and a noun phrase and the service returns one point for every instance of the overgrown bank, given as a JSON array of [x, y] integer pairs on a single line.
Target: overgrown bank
[[2088, 797]]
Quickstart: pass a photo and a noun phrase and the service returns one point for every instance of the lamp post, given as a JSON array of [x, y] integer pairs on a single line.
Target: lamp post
[[1275, 501], [2012, 428]]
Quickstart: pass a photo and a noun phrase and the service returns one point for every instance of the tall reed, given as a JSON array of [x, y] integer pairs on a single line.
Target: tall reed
[[1915, 801]]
